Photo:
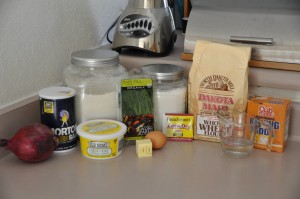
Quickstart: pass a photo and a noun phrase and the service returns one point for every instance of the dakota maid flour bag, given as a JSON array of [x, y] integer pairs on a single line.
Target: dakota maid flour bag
[[218, 80]]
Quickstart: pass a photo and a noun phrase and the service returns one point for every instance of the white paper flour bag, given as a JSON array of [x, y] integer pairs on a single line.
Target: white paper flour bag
[[218, 80]]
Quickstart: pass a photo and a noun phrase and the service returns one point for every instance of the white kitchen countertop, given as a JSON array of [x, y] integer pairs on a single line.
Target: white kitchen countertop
[[197, 169]]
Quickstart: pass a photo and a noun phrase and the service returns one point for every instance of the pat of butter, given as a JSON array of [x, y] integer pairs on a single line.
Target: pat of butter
[[143, 148]]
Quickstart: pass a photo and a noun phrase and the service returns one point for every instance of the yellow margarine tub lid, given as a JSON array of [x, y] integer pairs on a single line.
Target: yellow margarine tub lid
[[101, 129]]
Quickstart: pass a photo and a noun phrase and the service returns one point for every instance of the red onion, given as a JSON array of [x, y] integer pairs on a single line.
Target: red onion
[[32, 143]]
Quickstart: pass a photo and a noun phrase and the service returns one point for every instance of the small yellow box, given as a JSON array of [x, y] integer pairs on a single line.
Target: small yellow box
[[144, 148], [179, 127]]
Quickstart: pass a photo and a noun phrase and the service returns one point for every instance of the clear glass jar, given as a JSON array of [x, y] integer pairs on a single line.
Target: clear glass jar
[[170, 90], [95, 74]]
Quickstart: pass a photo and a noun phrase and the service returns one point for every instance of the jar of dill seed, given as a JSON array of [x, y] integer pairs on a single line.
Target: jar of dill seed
[[95, 74], [170, 90]]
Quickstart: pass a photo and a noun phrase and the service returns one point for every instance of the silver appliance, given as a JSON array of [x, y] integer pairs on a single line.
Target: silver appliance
[[146, 25], [270, 27]]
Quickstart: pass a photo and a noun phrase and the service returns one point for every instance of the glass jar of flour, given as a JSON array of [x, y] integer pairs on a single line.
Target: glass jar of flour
[[170, 90], [95, 74]]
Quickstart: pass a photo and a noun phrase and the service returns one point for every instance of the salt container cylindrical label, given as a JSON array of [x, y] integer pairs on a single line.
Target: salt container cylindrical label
[[57, 110]]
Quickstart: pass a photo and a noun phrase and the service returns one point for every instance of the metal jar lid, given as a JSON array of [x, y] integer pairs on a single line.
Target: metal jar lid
[[163, 71], [95, 58]]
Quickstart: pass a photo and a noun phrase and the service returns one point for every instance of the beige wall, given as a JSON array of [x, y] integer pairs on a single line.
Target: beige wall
[[37, 38]]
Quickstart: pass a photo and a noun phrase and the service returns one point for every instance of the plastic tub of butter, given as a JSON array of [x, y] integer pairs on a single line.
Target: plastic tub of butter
[[101, 139]]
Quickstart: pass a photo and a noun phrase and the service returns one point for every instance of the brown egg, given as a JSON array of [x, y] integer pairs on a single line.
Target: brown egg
[[157, 138]]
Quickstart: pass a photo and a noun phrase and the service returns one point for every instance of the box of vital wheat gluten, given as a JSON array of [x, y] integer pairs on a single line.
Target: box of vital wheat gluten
[[275, 111]]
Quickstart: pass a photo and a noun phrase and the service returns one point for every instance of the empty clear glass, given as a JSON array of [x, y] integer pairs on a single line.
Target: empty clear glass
[[238, 130]]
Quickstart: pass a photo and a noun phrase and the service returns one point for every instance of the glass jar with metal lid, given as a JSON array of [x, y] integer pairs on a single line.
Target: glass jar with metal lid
[[170, 90], [95, 75]]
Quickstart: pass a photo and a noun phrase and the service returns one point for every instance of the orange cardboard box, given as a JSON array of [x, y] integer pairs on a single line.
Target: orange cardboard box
[[275, 111]]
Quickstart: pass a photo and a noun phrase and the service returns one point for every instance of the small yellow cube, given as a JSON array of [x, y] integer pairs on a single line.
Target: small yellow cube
[[143, 148]]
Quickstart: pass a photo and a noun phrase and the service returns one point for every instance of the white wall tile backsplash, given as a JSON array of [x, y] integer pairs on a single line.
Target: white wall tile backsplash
[[37, 38]]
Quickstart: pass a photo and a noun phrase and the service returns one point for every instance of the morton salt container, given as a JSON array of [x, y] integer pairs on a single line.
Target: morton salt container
[[95, 74], [170, 90], [57, 111]]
